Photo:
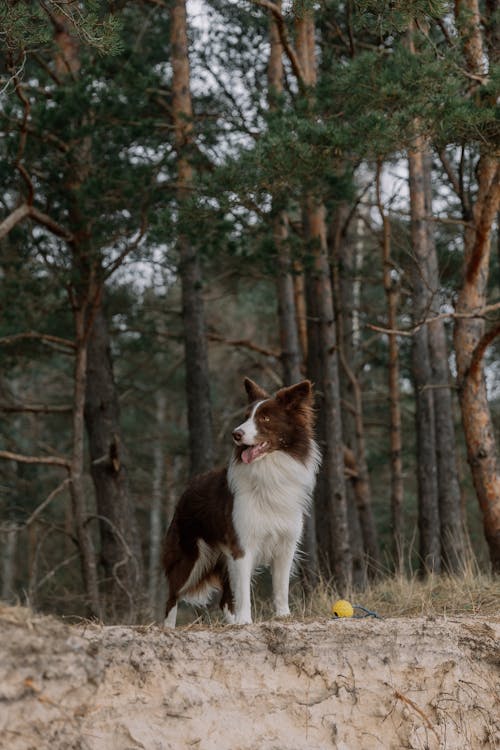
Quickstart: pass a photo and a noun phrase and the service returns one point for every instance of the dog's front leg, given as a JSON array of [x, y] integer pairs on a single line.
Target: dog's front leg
[[281, 567], [240, 572]]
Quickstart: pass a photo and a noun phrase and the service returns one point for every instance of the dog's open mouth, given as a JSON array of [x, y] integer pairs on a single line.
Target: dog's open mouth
[[252, 452]]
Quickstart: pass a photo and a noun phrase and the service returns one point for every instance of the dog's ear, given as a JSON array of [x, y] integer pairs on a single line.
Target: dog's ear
[[296, 394], [254, 391]]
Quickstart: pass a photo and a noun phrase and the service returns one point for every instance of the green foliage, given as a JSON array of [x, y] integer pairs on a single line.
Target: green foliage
[[27, 25], [102, 143], [24, 24], [381, 101], [386, 16]]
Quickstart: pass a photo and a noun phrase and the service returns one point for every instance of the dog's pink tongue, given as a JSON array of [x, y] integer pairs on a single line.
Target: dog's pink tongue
[[251, 453]]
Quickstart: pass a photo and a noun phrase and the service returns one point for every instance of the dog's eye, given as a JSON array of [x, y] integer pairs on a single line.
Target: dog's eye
[[265, 419]]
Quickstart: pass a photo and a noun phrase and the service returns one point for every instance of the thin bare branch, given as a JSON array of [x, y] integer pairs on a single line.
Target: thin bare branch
[[49, 223], [54, 570], [44, 460], [20, 213], [481, 347], [482, 313], [285, 41], [45, 337], [35, 409], [455, 182], [129, 247], [46, 502], [28, 211], [16, 75], [245, 344]]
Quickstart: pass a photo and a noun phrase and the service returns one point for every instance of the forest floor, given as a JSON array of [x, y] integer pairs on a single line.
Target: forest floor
[[351, 684]]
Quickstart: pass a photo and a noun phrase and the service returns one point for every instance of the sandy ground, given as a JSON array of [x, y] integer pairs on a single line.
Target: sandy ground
[[282, 685]]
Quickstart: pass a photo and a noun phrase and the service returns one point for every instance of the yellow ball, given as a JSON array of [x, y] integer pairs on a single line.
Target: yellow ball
[[342, 608]]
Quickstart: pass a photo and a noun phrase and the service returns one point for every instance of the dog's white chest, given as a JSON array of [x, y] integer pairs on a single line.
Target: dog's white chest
[[270, 499]]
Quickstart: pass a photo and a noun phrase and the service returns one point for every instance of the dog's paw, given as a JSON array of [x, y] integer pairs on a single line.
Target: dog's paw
[[282, 613], [229, 616], [242, 620]]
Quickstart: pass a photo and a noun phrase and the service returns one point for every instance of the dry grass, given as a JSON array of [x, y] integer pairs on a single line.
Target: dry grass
[[401, 596], [474, 593]]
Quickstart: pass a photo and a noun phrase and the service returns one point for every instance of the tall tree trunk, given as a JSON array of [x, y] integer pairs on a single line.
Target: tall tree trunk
[[77, 487], [287, 314], [352, 416], [300, 294], [329, 394], [453, 535], [195, 341], [121, 555], [428, 508], [332, 503], [323, 529], [291, 355], [84, 295], [8, 536], [391, 288], [156, 514], [471, 339]]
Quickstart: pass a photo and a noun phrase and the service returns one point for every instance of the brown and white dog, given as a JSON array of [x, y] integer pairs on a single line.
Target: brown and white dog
[[230, 521]]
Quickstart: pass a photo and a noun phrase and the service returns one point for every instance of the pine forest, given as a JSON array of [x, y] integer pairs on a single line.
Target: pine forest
[[198, 192]]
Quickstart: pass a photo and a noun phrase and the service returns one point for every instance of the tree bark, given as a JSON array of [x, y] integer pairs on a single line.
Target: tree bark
[[83, 296], [352, 416], [454, 550], [428, 508], [300, 294], [391, 288], [470, 344], [77, 487], [331, 491], [328, 393], [470, 338], [121, 555], [195, 341], [156, 513], [9, 535], [323, 528], [287, 315], [291, 355]]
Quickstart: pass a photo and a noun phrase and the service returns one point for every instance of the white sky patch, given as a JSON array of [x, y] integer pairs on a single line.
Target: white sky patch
[[139, 154], [155, 273], [492, 374]]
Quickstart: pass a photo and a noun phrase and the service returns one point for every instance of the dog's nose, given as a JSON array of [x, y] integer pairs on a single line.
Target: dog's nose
[[237, 436]]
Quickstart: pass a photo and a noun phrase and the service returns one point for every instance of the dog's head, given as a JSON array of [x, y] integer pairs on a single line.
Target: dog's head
[[283, 422]]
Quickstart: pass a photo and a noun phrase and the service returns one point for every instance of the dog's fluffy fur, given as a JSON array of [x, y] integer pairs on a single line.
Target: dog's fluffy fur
[[230, 521]]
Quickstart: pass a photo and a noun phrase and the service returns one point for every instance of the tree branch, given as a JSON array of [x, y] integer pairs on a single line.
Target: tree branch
[[45, 460], [47, 500], [428, 321], [245, 344], [111, 267], [28, 211], [481, 347], [35, 409], [283, 34], [455, 182], [20, 213], [23, 137], [46, 337], [52, 225]]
